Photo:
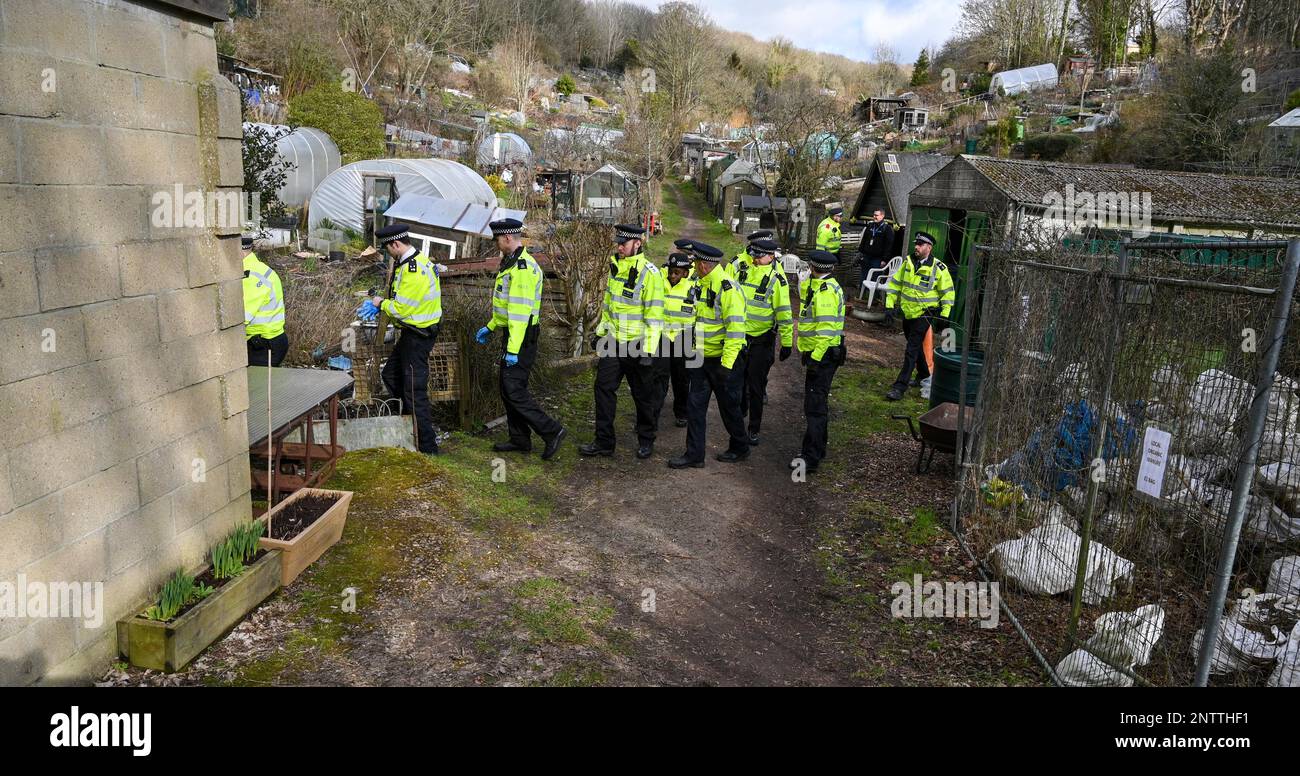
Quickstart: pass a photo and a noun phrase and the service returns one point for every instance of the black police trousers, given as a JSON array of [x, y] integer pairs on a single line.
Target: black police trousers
[[610, 371], [259, 345], [670, 370], [759, 357], [406, 375], [816, 400], [914, 330], [713, 379], [523, 414]]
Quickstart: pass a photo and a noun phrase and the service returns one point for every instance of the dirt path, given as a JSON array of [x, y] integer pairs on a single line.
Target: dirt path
[[619, 571], [725, 551]]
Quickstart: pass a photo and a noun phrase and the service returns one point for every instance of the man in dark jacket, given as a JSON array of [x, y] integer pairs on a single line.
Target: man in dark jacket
[[877, 246]]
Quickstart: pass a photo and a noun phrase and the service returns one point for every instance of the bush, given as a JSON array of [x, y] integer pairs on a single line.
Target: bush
[[565, 85], [354, 123], [1050, 147]]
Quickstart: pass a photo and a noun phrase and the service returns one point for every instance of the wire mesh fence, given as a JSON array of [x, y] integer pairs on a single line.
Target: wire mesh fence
[[1136, 405]]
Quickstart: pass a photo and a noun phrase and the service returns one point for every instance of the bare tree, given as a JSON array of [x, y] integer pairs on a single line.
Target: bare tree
[[579, 252], [516, 60]]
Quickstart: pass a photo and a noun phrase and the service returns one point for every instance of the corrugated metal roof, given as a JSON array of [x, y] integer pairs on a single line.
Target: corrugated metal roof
[[741, 170], [1185, 197], [1291, 119], [758, 202], [293, 393], [454, 214]]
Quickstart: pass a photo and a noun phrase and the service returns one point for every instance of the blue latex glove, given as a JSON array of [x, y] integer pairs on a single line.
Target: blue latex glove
[[482, 336], [511, 359], [367, 311]]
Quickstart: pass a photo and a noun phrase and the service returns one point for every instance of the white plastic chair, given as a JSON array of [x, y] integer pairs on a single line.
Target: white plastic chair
[[877, 279]]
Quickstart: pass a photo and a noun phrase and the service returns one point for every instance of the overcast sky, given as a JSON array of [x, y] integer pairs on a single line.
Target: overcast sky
[[847, 27]]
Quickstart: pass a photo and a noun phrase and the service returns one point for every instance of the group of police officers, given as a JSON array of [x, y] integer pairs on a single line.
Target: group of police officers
[[704, 327]]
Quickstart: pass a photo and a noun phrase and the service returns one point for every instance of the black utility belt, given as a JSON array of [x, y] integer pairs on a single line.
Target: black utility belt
[[427, 331]]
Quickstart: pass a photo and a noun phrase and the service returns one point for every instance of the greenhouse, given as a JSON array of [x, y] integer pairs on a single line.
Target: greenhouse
[[311, 153], [352, 194], [502, 149], [609, 194], [1023, 79]]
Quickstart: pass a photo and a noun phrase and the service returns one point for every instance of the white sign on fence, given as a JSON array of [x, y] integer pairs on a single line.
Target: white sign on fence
[[1155, 457]]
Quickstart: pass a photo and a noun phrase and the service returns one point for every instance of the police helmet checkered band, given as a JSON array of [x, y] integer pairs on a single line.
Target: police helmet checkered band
[[706, 252], [246, 243], [679, 260], [390, 233], [763, 247], [506, 226], [822, 259], [924, 237], [835, 211], [761, 234], [628, 232]]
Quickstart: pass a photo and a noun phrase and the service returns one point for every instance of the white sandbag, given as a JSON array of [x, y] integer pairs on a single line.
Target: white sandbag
[[1198, 435], [1277, 445], [1283, 406], [1220, 397], [1168, 387], [1264, 521], [1045, 560], [1287, 672], [1284, 576], [1248, 635], [1124, 639], [1282, 480], [1206, 468]]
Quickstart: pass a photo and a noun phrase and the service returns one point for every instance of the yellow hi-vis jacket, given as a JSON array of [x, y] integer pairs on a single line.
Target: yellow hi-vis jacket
[[679, 308], [917, 286], [821, 316], [719, 317], [517, 298], [828, 235], [416, 298], [742, 260], [263, 300], [767, 300], [634, 302]]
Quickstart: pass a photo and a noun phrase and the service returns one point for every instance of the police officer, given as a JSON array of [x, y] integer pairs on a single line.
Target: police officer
[[631, 321], [922, 289], [678, 337], [821, 346], [720, 338], [414, 304], [517, 309], [744, 259], [767, 311], [828, 231], [877, 246], [263, 310]]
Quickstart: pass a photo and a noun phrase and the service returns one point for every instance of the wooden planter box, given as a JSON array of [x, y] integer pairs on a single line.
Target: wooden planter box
[[170, 646], [303, 550]]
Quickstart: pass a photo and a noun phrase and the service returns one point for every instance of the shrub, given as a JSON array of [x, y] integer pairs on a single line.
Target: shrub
[[354, 123], [1051, 146]]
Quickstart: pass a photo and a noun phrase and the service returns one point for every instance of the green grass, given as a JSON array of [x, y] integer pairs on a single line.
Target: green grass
[[859, 406], [674, 221], [391, 487], [552, 614]]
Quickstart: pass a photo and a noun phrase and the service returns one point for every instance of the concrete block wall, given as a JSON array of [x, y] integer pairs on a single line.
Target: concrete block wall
[[123, 395]]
